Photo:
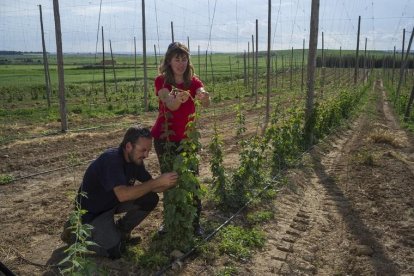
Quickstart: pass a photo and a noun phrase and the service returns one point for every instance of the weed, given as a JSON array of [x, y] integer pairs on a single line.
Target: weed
[[365, 158], [260, 217], [228, 271], [239, 242], [6, 179], [147, 260]]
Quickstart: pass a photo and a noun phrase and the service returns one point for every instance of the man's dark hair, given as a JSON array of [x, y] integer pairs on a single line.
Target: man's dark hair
[[133, 133]]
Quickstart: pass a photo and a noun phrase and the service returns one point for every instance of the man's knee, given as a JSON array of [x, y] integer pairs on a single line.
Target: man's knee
[[148, 202]]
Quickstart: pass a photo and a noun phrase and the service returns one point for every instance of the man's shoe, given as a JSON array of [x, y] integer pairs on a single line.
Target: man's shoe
[[67, 236], [133, 240], [198, 231], [161, 230], [116, 251]]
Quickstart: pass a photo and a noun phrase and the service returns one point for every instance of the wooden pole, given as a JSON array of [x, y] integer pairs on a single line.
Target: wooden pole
[[313, 45], [404, 65], [231, 72], [291, 69], [256, 74], [283, 71], [103, 62], [323, 66], [172, 31], [253, 66], [45, 61], [61, 78], [402, 47], [303, 64], [269, 37], [212, 72], [206, 65], [365, 60], [357, 53], [199, 60], [248, 64], [340, 64], [113, 66], [144, 53], [155, 54], [409, 104], [135, 64], [245, 69], [393, 67]]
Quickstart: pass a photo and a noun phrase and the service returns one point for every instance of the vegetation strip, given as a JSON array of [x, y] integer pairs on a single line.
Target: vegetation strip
[[212, 234]]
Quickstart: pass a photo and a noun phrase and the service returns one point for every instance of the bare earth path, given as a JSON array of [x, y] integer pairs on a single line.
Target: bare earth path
[[349, 210]]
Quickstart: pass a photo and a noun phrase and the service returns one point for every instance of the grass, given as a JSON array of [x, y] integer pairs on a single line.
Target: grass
[[239, 242], [147, 259], [260, 216]]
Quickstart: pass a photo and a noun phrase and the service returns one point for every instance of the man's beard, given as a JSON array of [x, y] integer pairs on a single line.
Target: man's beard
[[133, 160]]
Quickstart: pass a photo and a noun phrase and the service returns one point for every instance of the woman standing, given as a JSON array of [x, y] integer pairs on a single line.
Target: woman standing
[[177, 88]]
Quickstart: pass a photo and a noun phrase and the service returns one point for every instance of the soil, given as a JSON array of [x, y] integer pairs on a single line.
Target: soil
[[347, 210]]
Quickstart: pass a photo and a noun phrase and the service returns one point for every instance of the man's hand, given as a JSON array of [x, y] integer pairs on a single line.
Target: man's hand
[[165, 181]]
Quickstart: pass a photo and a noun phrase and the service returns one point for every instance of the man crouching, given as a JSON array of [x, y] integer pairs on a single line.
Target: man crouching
[[109, 185]]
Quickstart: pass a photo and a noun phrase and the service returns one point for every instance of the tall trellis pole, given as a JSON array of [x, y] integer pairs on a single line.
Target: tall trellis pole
[[269, 37], [61, 78], [313, 46], [45, 61], [256, 63], [357, 52], [144, 54]]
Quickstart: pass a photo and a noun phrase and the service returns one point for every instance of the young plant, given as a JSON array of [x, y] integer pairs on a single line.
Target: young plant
[[217, 169], [241, 121], [76, 261], [250, 175]]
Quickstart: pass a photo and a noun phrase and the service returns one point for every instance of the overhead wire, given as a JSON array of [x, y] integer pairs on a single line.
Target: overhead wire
[[211, 25], [97, 39]]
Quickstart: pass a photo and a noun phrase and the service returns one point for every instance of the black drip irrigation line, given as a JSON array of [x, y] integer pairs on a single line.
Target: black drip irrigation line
[[50, 171], [59, 132]]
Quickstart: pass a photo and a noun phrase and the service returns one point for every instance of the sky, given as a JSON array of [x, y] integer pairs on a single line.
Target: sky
[[208, 25]]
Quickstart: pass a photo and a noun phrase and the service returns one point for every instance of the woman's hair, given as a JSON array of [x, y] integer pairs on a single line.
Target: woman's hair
[[134, 133], [176, 49]]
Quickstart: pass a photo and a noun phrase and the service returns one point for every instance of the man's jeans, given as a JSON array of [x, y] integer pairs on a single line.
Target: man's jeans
[[110, 235]]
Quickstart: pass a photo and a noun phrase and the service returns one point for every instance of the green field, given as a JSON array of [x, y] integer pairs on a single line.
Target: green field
[[23, 98]]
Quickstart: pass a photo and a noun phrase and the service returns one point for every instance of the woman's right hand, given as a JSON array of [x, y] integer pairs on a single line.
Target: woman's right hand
[[182, 96]]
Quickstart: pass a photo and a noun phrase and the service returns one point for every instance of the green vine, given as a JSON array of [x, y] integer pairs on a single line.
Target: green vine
[[179, 202], [217, 168]]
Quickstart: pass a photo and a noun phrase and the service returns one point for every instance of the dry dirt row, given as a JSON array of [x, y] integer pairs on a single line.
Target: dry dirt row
[[33, 209]]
